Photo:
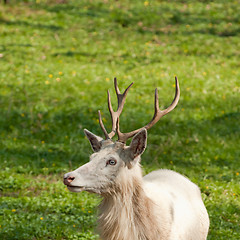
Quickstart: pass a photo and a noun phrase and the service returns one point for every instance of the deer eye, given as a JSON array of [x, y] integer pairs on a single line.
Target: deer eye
[[111, 162]]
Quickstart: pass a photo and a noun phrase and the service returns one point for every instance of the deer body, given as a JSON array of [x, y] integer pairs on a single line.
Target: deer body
[[182, 199], [163, 205]]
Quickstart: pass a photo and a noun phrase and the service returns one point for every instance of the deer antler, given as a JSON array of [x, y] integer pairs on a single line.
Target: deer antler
[[122, 137], [114, 115]]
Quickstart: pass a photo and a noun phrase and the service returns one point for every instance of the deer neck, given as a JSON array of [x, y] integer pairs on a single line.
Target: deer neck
[[126, 212]]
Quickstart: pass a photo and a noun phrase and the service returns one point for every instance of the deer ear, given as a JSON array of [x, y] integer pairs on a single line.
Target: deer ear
[[138, 144], [95, 141]]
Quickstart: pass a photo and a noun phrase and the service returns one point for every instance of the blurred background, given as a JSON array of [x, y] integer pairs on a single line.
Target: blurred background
[[57, 60]]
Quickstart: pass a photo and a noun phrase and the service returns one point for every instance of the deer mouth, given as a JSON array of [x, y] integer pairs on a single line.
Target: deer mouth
[[75, 188], [81, 188]]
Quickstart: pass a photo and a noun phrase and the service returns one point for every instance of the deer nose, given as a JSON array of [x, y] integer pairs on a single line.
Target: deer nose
[[68, 180]]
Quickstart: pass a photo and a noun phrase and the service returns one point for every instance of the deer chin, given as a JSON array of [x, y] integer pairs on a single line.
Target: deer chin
[[75, 188], [81, 188]]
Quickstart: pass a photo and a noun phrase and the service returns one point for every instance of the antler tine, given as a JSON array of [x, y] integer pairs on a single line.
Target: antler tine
[[121, 100], [175, 100], [114, 115], [121, 97], [158, 113], [116, 86], [101, 125], [122, 137]]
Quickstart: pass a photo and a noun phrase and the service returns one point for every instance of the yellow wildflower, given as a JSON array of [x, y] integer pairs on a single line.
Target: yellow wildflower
[[146, 3]]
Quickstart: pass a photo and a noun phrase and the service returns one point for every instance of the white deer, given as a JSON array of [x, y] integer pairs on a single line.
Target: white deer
[[162, 205]]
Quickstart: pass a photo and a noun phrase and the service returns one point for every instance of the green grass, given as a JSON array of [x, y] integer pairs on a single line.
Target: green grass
[[56, 63]]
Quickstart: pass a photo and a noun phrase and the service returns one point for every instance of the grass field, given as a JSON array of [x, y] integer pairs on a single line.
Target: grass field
[[56, 62]]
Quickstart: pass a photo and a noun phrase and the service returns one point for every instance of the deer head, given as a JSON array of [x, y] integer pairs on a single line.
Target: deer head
[[113, 161]]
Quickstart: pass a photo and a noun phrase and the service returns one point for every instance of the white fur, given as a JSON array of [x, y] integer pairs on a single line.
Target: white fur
[[166, 187], [163, 205]]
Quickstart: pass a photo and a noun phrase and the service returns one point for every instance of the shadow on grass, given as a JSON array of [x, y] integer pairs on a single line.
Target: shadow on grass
[[156, 20], [16, 45], [28, 24], [73, 54], [189, 144], [160, 20]]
